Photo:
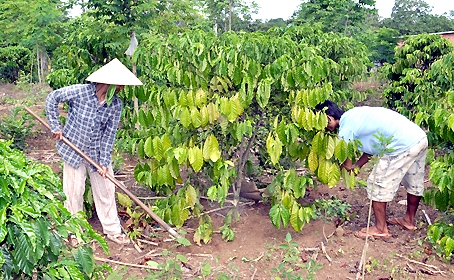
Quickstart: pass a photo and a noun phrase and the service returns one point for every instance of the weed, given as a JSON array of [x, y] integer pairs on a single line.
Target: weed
[[5, 100], [333, 209], [118, 161], [291, 266], [16, 126]]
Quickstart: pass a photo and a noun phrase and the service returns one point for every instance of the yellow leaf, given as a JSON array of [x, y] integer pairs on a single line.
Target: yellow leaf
[[213, 112], [191, 196], [196, 118], [312, 160], [195, 158]]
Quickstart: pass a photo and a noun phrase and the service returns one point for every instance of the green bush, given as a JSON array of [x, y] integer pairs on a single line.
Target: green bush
[[17, 126], [34, 223], [12, 60]]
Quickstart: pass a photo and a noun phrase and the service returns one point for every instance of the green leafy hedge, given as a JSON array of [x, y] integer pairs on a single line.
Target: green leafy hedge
[[12, 60], [422, 83], [34, 223]]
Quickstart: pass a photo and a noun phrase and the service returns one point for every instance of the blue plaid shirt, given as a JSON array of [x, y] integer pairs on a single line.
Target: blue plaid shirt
[[89, 126]]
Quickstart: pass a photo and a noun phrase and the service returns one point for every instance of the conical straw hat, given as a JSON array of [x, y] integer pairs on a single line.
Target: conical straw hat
[[114, 73]]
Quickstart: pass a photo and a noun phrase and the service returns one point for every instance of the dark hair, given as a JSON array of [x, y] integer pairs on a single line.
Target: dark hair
[[331, 109]]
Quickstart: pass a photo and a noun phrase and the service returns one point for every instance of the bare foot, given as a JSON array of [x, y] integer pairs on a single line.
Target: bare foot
[[402, 223], [373, 232]]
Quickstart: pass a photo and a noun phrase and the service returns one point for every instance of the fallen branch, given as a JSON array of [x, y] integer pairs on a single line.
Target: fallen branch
[[148, 242], [326, 254], [253, 275], [126, 264], [200, 255], [310, 249], [426, 266]]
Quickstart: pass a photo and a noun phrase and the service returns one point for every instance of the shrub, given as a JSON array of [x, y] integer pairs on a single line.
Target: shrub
[[17, 126], [33, 223], [12, 60]]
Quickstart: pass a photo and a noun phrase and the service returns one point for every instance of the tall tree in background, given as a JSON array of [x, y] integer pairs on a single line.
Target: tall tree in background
[[160, 16], [412, 17], [36, 25], [341, 16], [226, 15]]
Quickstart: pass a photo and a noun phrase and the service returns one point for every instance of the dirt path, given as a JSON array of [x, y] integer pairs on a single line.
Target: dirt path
[[259, 250]]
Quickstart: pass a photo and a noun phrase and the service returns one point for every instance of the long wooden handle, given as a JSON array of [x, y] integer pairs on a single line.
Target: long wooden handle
[[112, 179]]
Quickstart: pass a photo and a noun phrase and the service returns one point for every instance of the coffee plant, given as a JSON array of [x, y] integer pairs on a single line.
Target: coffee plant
[[422, 83], [34, 224], [211, 105], [16, 126]]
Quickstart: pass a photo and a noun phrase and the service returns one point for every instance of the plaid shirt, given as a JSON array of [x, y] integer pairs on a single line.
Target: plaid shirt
[[90, 126]]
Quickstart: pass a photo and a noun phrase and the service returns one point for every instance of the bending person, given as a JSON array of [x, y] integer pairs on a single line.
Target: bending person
[[404, 163]]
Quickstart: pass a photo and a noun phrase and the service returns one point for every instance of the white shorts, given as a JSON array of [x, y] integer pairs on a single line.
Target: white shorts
[[391, 170]]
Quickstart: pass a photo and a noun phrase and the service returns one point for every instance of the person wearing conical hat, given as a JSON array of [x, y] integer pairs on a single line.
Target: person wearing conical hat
[[91, 125]]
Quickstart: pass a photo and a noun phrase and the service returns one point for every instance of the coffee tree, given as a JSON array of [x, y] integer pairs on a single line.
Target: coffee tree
[[34, 223], [213, 105], [422, 83]]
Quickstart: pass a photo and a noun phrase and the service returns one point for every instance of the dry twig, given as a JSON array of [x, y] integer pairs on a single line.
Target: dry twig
[[253, 275], [148, 242], [430, 269], [127, 264], [326, 254]]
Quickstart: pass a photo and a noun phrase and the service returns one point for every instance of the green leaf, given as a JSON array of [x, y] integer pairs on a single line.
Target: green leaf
[[84, 257], [330, 146], [110, 94], [143, 120], [278, 214], [295, 221], [341, 150], [206, 269], [334, 175], [264, 92], [213, 112], [324, 168], [180, 154], [318, 143], [183, 241], [196, 118], [185, 117], [449, 246], [148, 147]]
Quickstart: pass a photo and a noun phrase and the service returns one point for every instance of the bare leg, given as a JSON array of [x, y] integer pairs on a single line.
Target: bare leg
[[380, 229], [412, 206], [380, 216], [408, 222]]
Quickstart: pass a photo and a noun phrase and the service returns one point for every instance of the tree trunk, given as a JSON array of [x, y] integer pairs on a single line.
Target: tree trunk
[[230, 14], [38, 67]]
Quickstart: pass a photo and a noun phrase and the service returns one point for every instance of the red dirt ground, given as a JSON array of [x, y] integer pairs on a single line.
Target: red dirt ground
[[255, 253]]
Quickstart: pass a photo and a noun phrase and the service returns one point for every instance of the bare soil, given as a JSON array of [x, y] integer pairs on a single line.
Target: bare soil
[[256, 251]]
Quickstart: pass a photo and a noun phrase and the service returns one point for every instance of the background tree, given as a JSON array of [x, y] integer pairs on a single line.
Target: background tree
[[412, 17], [341, 16], [226, 15], [160, 16], [36, 25]]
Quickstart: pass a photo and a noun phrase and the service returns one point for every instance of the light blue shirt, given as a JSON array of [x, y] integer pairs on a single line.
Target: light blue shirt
[[362, 123]]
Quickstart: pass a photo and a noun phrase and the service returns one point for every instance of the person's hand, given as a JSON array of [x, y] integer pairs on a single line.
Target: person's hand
[[353, 169], [102, 171], [57, 135]]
